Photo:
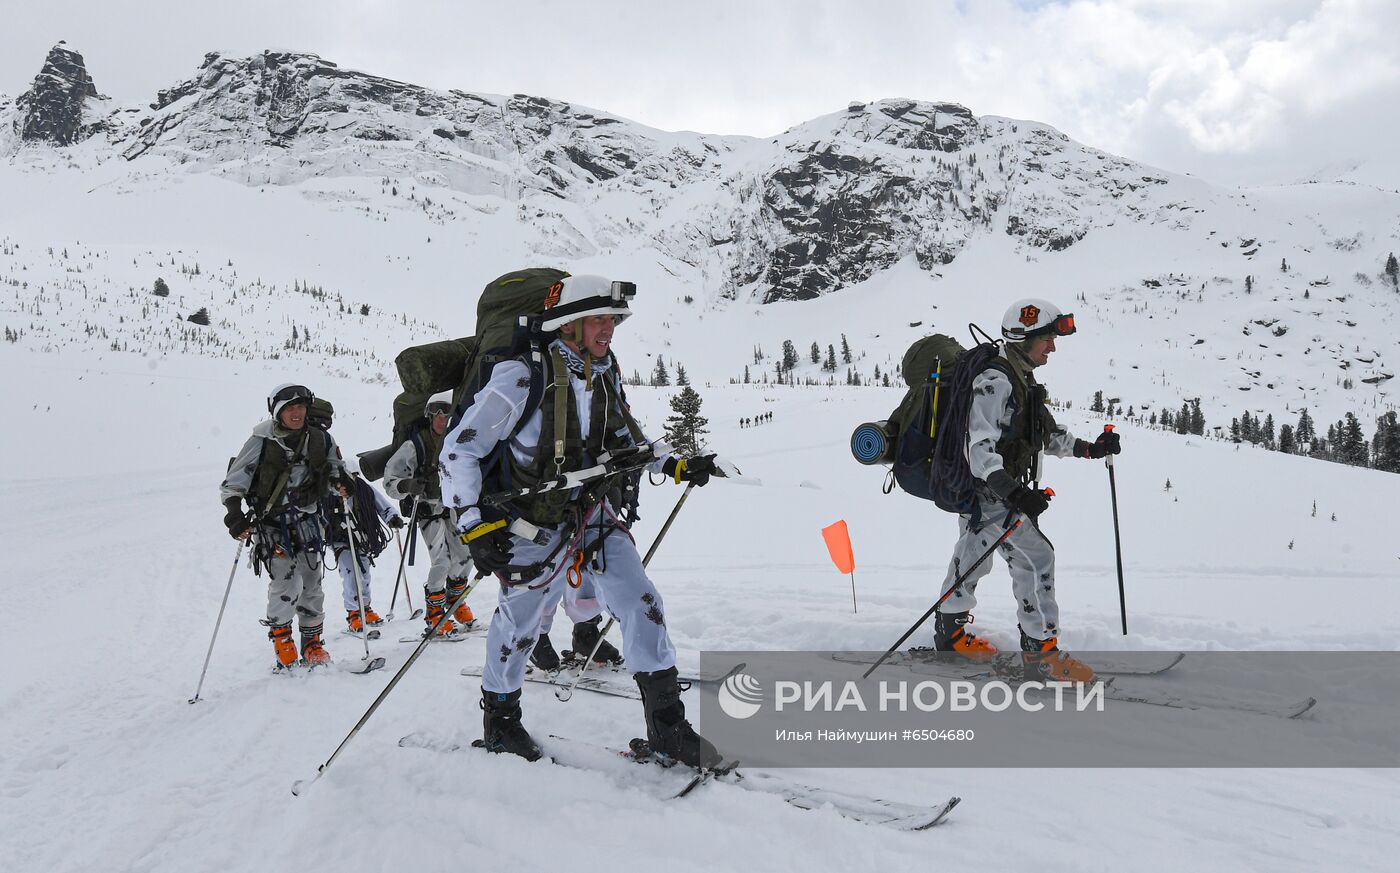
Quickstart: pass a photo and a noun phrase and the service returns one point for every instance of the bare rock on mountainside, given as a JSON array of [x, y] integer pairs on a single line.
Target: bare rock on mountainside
[[817, 208], [52, 110]]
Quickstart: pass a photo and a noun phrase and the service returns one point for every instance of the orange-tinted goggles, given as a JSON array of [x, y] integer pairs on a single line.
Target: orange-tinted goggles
[[1062, 326]]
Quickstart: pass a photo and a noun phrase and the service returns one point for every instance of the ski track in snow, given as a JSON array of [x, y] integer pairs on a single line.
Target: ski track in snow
[[113, 515]]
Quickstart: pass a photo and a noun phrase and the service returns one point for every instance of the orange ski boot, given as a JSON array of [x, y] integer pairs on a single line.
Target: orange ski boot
[[437, 608], [282, 645], [463, 613], [1044, 660], [313, 650], [950, 635]]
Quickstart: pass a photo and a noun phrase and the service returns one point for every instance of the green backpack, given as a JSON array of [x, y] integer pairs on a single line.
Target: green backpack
[[506, 326], [321, 413]]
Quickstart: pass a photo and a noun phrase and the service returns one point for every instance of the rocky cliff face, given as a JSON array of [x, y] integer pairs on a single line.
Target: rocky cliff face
[[53, 109], [284, 117], [848, 195], [813, 210]]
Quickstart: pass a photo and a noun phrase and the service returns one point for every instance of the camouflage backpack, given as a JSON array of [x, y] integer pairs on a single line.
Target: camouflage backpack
[[505, 328]]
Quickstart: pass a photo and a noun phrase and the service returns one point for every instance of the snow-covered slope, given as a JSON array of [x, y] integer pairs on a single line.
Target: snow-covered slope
[[117, 558]]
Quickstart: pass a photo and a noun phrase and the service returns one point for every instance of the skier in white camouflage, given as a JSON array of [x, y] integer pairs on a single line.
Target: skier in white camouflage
[[411, 475], [581, 539], [369, 508], [282, 472], [1009, 427]]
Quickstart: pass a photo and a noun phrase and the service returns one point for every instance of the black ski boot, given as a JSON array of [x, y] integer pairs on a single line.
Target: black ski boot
[[668, 732], [586, 636], [951, 635], [501, 727], [543, 655]]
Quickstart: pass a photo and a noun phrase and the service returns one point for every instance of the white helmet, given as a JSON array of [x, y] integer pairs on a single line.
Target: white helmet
[[582, 296], [1034, 317], [439, 404], [286, 394]]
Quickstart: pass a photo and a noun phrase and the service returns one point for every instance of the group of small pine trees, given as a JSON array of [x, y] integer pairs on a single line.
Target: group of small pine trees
[[1344, 443], [1187, 420], [660, 377]]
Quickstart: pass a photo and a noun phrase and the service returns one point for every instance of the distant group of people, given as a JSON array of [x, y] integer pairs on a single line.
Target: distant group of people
[[756, 420]]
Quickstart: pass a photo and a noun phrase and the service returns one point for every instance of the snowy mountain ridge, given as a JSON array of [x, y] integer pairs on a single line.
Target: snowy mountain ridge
[[820, 207], [880, 222]]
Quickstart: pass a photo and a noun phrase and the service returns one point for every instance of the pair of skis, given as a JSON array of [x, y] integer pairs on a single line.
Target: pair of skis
[[670, 780]]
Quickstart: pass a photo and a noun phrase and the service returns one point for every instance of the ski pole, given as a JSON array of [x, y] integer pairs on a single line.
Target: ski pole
[[355, 571], [220, 620], [957, 583], [564, 694], [299, 787], [412, 542], [1117, 541], [399, 577]]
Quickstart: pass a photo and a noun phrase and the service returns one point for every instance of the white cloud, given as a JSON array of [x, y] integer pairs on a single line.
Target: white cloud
[[1242, 90]]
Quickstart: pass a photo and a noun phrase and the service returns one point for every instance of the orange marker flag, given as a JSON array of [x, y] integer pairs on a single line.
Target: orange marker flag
[[838, 544]]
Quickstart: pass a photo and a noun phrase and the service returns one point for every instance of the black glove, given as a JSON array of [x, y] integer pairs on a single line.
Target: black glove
[[236, 520], [489, 543], [697, 469], [1029, 502], [1012, 493], [1107, 444], [411, 486], [396, 522]]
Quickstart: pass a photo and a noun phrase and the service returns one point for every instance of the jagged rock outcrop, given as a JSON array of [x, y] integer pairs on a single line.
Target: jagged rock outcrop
[[283, 117], [53, 109]]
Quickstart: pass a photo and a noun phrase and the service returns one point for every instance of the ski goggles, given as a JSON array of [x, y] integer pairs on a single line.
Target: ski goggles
[[439, 407], [1062, 326], [288, 395]]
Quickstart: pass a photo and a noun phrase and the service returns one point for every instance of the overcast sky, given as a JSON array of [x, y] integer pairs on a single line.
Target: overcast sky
[[1237, 91]]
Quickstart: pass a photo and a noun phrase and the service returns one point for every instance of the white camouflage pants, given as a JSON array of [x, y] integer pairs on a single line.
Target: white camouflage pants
[[452, 561], [1028, 554], [621, 587], [293, 572], [347, 580], [294, 589]]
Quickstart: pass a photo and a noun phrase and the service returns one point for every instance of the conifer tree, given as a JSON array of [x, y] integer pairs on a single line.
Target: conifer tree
[[1353, 449], [1386, 445], [1304, 433], [686, 427]]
